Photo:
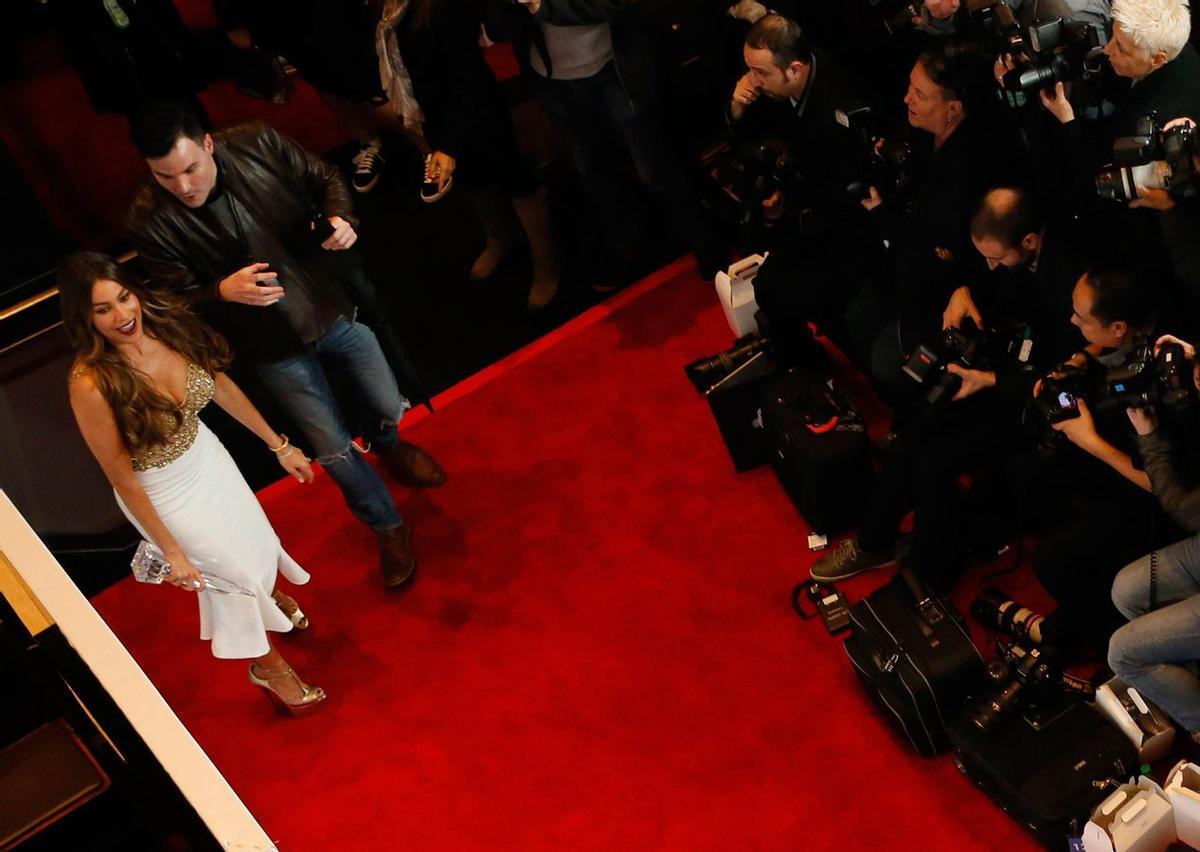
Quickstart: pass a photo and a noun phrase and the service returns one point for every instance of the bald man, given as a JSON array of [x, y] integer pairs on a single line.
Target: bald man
[[980, 427]]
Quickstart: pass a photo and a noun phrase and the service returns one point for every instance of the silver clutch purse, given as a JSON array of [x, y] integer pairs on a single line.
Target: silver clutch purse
[[150, 566]]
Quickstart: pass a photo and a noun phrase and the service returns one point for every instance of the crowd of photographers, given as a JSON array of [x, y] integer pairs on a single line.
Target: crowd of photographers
[[1014, 267]]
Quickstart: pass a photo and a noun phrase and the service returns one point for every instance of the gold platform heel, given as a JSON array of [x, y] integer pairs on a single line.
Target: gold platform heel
[[311, 697], [288, 606]]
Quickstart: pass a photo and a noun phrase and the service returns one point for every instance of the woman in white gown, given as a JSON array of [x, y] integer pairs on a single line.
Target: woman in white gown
[[144, 368]]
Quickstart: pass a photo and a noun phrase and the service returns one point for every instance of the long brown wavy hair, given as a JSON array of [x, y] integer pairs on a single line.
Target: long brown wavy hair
[[144, 416]]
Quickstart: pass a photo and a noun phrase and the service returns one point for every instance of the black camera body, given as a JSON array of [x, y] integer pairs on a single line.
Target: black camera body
[[1058, 397], [885, 163], [1145, 380], [1149, 380], [746, 178], [1053, 51], [997, 30], [897, 15], [1154, 158], [1027, 677], [968, 346]]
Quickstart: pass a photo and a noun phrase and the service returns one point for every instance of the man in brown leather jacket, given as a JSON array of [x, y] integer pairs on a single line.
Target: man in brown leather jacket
[[255, 231]]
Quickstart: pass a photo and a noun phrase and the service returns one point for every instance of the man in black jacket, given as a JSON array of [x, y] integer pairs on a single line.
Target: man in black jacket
[[255, 232], [823, 252], [1022, 303], [1089, 502]]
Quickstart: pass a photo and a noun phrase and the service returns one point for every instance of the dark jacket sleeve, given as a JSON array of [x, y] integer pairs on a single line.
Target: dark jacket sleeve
[[1179, 498], [324, 182], [162, 258]]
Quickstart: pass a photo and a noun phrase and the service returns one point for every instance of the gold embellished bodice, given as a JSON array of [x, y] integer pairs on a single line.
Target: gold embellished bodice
[[200, 386]]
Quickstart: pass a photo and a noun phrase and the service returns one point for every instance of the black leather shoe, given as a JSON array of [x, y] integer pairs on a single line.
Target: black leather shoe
[[397, 562]]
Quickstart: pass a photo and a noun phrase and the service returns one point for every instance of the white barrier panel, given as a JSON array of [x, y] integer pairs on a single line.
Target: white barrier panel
[[230, 822]]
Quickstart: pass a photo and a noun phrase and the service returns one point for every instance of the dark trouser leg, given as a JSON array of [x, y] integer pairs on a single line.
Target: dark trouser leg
[[593, 153], [637, 126], [1077, 561]]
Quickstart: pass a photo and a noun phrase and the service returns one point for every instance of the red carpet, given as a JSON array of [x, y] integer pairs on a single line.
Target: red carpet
[[598, 652]]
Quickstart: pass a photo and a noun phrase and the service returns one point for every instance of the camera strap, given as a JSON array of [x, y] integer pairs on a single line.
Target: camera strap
[[1153, 594]]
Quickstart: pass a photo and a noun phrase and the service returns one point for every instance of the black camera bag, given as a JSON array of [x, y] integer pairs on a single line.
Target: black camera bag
[[913, 653], [821, 452], [1044, 779]]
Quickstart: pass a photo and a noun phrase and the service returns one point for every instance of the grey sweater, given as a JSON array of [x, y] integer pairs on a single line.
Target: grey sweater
[[1179, 497]]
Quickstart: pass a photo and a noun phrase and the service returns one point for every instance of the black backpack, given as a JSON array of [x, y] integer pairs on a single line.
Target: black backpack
[[820, 449]]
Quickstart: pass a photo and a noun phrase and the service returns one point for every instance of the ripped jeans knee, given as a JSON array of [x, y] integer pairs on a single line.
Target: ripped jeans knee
[[345, 454]]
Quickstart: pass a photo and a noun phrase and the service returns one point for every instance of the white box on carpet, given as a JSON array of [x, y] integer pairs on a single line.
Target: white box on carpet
[[1183, 789], [1136, 818], [735, 289]]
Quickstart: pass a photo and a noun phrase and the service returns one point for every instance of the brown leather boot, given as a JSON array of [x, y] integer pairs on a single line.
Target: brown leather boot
[[411, 465], [396, 560]]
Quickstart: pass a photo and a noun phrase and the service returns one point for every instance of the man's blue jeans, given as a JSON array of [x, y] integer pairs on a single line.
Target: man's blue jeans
[[300, 387], [1149, 652]]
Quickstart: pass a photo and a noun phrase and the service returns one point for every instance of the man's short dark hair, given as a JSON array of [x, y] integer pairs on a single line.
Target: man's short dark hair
[[1120, 294], [1007, 214], [783, 37], [160, 125]]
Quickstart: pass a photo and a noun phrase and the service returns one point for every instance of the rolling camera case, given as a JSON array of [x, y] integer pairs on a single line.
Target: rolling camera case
[[821, 456], [1049, 780], [912, 652]]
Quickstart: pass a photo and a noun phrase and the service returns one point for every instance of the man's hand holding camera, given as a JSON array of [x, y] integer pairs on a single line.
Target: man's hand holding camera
[[745, 93], [1081, 430], [1145, 420]]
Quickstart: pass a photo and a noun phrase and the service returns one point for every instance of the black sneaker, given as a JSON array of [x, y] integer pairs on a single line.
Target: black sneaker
[[368, 166], [846, 560], [429, 186]]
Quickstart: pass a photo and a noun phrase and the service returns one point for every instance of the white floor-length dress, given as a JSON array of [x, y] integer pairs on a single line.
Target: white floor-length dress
[[206, 504]]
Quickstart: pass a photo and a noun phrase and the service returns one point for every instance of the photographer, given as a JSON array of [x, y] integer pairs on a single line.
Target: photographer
[[1149, 48], [819, 257], [1019, 301], [1089, 499], [956, 152], [1160, 593]]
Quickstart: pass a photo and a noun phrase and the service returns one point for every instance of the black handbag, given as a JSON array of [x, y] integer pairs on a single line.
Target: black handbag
[[913, 653]]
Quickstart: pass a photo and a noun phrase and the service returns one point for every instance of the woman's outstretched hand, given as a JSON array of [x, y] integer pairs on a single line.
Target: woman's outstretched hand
[[297, 464]]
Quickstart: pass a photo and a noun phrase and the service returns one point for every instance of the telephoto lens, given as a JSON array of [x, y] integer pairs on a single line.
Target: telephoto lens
[[996, 609], [706, 372]]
